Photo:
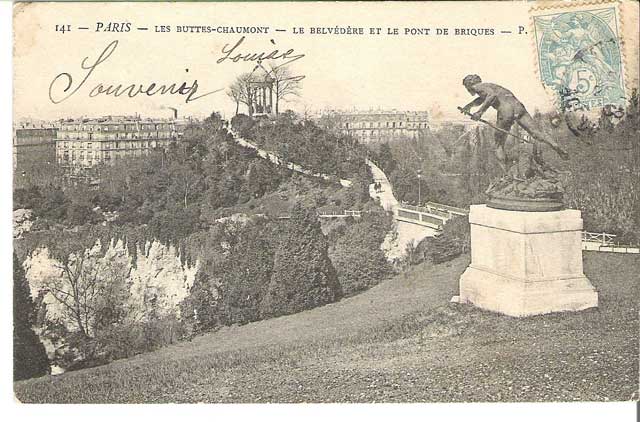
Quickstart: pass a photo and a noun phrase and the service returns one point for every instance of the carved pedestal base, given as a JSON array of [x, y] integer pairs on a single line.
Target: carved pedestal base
[[526, 263]]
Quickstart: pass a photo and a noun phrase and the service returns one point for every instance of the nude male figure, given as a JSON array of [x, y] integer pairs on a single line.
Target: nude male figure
[[509, 109]]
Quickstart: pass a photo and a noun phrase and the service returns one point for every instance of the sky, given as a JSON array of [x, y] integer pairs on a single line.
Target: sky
[[405, 72]]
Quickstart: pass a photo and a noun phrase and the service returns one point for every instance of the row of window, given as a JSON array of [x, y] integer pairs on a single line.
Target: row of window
[[115, 128], [111, 145], [379, 132], [390, 125], [122, 135], [89, 159]]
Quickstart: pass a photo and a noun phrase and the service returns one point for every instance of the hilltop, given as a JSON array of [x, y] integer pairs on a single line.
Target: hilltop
[[399, 341]]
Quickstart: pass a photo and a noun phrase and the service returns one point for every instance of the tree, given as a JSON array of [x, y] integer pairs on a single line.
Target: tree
[[303, 276], [235, 93], [356, 253], [29, 197], [387, 161], [83, 285], [247, 275], [242, 92], [243, 124], [185, 180], [284, 82], [76, 290], [29, 355], [213, 123], [53, 206], [261, 178]]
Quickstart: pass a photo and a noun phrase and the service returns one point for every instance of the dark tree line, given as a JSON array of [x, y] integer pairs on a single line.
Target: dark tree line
[[270, 268], [303, 142], [29, 356]]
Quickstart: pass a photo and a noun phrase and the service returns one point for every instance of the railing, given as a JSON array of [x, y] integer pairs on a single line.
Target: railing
[[449, 208], [603, 242], [428, 210], [603, 238], [433, 213], [345, 213], [421, 218]]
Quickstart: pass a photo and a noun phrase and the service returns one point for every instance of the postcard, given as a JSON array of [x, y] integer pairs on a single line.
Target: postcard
[[326, 202]]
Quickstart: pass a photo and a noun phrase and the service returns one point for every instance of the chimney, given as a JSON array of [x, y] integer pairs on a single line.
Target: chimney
[[175, 112]]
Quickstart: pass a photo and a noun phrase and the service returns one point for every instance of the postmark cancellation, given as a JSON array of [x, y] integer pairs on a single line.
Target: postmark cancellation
[[579, 54]]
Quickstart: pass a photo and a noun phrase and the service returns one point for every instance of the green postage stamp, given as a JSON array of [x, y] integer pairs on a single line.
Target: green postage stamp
[[579, 55]]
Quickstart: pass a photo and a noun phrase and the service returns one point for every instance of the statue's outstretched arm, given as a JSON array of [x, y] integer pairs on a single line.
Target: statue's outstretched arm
[[476, 102], [485, 104]]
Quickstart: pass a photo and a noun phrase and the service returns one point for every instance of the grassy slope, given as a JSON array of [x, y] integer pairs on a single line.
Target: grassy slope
[[399, 341]]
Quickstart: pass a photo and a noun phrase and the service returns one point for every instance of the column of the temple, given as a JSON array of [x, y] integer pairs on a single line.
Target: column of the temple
[[253, 100], [260, 97], [256, 99], [264, 100]]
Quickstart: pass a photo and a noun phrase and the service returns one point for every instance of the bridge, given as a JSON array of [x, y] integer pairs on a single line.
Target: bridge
[[431, 215]]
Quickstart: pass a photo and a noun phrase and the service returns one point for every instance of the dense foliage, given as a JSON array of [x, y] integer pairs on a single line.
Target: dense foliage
[[604, 175], [175, 192], [356, 254], [305, 143], [29, 356], [303, 276], [264, 268], [218, 203], [234, 274], [454, 240]]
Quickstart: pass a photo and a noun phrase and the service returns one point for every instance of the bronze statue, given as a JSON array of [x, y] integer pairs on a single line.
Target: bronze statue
[[509, 109], [529, 184]]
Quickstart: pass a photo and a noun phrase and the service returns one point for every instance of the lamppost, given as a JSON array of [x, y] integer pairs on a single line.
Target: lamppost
[[419, 186]]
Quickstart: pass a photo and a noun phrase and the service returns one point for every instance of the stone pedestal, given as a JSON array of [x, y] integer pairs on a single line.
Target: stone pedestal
[[526, 263]]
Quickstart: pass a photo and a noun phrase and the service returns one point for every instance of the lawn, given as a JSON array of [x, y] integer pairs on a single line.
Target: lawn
[[399, 341]]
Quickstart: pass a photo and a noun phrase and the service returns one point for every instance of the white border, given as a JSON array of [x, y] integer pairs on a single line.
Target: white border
[[523, 412]]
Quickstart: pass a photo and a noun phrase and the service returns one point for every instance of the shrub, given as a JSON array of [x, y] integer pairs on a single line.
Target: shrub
[[79, 214], [202, 306], [303, 276], [454, 240], [356, 254], [28, 197], [242, 124], [246, 276]]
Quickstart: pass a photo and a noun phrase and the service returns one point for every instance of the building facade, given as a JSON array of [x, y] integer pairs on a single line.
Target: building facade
[[33, 145], [380, 125], [34, 154], [85, 143]]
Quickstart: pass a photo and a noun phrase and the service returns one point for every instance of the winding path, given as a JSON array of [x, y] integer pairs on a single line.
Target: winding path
[[278, 161], [396, 242], [385, 195], [403, 234]]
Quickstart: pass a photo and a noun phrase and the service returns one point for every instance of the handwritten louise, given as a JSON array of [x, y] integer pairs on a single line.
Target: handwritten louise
[[65, 84]]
